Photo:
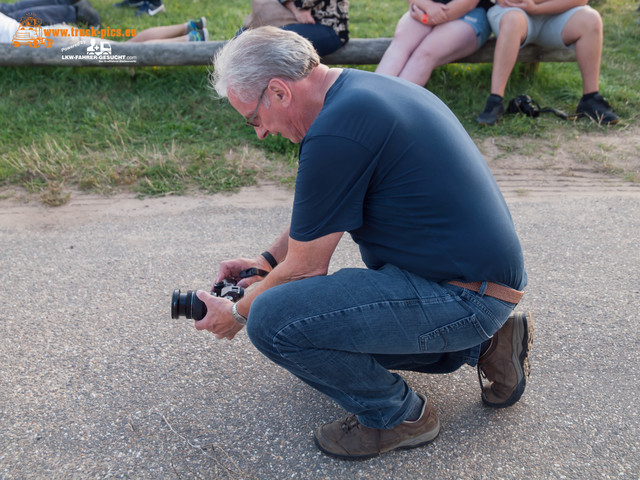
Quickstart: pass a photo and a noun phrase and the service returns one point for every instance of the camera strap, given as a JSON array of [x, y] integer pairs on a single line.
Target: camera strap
[[251, 272], [526, 105]]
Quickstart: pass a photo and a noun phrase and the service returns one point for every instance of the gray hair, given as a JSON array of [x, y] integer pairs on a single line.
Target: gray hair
[[246, 63]]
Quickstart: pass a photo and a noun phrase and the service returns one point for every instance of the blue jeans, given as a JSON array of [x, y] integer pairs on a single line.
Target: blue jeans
[[51, 12], [342, 333]]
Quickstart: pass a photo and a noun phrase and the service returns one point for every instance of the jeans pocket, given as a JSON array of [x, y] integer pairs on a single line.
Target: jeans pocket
[[454, 337]]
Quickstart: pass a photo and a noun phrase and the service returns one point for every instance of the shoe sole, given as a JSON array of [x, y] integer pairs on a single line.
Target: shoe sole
[[522, 329], [409, 444], [157, 10], [596, 120], [488, 124]]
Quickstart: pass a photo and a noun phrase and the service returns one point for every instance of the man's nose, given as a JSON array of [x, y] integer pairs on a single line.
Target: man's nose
[[262, 133]]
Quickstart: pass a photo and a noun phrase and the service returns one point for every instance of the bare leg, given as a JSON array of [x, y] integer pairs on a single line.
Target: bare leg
[[513, 31], [408, 35], [167, 33], [446, 42], [584, 29]]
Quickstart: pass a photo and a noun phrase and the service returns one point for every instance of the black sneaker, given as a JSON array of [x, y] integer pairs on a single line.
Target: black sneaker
[[598, 110], [150, 8], [492, 112], [85, 13]]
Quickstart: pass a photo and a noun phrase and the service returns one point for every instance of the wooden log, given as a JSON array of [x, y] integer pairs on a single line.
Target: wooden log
[[122, 55], [369, 51], [358, 51]]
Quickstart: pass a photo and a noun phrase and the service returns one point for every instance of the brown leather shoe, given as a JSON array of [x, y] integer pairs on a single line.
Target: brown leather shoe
[[506, 362], [348, 439]]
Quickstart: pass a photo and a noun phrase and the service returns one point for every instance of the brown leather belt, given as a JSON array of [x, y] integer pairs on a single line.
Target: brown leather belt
[[494, 290]]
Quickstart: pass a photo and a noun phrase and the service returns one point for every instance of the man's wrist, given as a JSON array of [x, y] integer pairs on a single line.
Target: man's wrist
[[237, 316], [270, 259]]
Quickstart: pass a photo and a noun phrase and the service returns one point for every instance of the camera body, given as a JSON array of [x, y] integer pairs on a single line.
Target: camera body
[[524, 104], [188, 304]]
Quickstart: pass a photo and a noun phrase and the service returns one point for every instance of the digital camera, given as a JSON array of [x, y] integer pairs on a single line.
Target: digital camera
[[188, 304]]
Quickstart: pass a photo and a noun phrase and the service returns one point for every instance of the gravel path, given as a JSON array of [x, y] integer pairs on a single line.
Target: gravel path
[[97, 381]]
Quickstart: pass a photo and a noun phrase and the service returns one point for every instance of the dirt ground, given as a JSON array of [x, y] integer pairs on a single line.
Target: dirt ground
[[583, 165]]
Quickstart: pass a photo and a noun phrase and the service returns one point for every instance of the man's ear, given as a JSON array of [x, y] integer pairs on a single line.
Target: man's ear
[[280, 92]]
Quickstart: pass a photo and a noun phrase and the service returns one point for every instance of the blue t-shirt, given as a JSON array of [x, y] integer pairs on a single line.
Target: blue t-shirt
[[388, 162]]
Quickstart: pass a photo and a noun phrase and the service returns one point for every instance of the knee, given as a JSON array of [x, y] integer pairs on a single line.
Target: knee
[[590, 21], [260, 324], [513, 24], [426, 57]]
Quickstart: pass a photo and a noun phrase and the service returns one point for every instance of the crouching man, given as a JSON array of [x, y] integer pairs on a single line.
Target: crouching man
[[388, 162]]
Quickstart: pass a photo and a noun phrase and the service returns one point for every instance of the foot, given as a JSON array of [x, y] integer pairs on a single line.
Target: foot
[[492, 112], [198, 35], [597, 109], [348, 439], [199, 24], [506, 362]]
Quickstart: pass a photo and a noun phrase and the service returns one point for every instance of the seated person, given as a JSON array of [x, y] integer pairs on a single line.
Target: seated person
[[191, 31], [434, 33], [325, 23], [53, 12], [549, 23]]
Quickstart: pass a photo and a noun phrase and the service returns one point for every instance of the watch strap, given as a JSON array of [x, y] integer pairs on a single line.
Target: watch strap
[[237, 316]]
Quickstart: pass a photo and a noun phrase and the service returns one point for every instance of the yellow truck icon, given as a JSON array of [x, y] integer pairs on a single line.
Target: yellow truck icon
[[31, 33]]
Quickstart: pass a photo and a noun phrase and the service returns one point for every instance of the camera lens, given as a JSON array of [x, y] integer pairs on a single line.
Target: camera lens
[[187, 305]]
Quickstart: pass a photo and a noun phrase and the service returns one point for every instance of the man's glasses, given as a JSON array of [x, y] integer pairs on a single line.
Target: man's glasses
[[255, 112]]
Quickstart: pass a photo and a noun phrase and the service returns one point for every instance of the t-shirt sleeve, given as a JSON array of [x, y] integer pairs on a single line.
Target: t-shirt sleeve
[[333, 178]]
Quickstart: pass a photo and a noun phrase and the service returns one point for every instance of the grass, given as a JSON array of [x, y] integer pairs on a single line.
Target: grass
[[160, 131]]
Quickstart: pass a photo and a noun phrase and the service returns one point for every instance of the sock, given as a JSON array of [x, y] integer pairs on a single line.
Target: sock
[[415, 411], [495, 98], [588, 96]]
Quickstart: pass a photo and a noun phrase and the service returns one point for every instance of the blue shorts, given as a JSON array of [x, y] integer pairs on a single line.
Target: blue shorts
[[477, 18], [543, 30]]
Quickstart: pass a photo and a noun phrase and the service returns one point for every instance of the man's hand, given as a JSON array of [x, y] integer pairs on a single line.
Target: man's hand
[[230, 269], [218, 319]]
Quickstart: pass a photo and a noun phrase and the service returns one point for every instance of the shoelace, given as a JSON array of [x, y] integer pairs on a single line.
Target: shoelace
[[482, 375], [350, 423]]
